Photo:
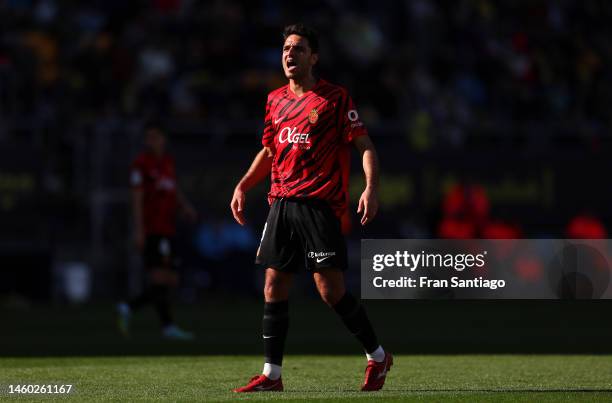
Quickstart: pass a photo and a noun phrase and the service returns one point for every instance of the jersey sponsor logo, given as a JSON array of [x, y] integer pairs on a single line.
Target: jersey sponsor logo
[[320, 256], [353, 116], [291, 135], [313, 116]]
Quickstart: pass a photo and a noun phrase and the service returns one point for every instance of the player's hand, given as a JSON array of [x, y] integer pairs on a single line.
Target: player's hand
[[191, 214], [368, 205], [237, 205], [139, 240]]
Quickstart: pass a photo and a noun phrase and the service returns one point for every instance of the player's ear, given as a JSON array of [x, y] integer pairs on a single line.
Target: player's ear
[[314, 58]]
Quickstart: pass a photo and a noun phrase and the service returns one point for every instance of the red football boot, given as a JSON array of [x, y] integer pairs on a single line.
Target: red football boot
[[261, 383], [376, 372]]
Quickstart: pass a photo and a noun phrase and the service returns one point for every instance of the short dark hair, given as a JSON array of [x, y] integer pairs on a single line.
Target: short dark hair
[[305, 31], [154, 124]]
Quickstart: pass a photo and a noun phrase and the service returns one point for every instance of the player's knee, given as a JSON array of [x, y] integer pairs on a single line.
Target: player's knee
[[273, 292], [172, 280], [269, 292], [156, 276], [330, 295], [275, 289], [163, 276], [331, 289]]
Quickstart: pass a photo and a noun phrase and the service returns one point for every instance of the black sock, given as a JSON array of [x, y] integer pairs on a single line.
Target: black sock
[[161, 299], [143, 299], [275, 325], [355, 319]]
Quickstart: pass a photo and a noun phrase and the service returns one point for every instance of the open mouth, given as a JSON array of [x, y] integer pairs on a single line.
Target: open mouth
[[291, 64]]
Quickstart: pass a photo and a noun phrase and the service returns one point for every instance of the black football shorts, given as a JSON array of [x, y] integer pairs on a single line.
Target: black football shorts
[[302, 233], [159, 252]]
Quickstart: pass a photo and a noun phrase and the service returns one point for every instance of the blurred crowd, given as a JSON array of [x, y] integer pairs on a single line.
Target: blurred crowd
[[435, 72], [78, 78], [434, 75]]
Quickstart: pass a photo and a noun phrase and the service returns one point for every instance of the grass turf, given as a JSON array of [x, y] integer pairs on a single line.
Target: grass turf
[[233, 325], [320, 378]]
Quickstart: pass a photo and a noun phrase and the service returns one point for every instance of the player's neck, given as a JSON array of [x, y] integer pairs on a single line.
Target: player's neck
[[157, 153], [300, 87]]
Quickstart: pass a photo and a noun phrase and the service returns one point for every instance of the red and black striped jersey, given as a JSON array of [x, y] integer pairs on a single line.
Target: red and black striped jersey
[[156, 177], [310, 137]]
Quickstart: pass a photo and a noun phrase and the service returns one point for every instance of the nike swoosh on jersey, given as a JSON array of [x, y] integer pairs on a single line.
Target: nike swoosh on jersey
[[319, 260], [277, 121]]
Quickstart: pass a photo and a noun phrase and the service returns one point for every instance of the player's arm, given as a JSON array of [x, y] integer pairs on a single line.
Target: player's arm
[[185, 206], [368, 202], [137, 212], [259, 170]]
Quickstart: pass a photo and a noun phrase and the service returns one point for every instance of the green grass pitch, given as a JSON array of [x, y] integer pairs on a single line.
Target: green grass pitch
[[465, 378]]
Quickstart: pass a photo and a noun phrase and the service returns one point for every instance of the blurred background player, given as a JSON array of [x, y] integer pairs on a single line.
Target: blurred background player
[[309, 127], [156, 199]]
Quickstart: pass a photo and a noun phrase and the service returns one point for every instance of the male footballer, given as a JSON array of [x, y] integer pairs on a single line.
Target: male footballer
[[156, 200], [309, 127]]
